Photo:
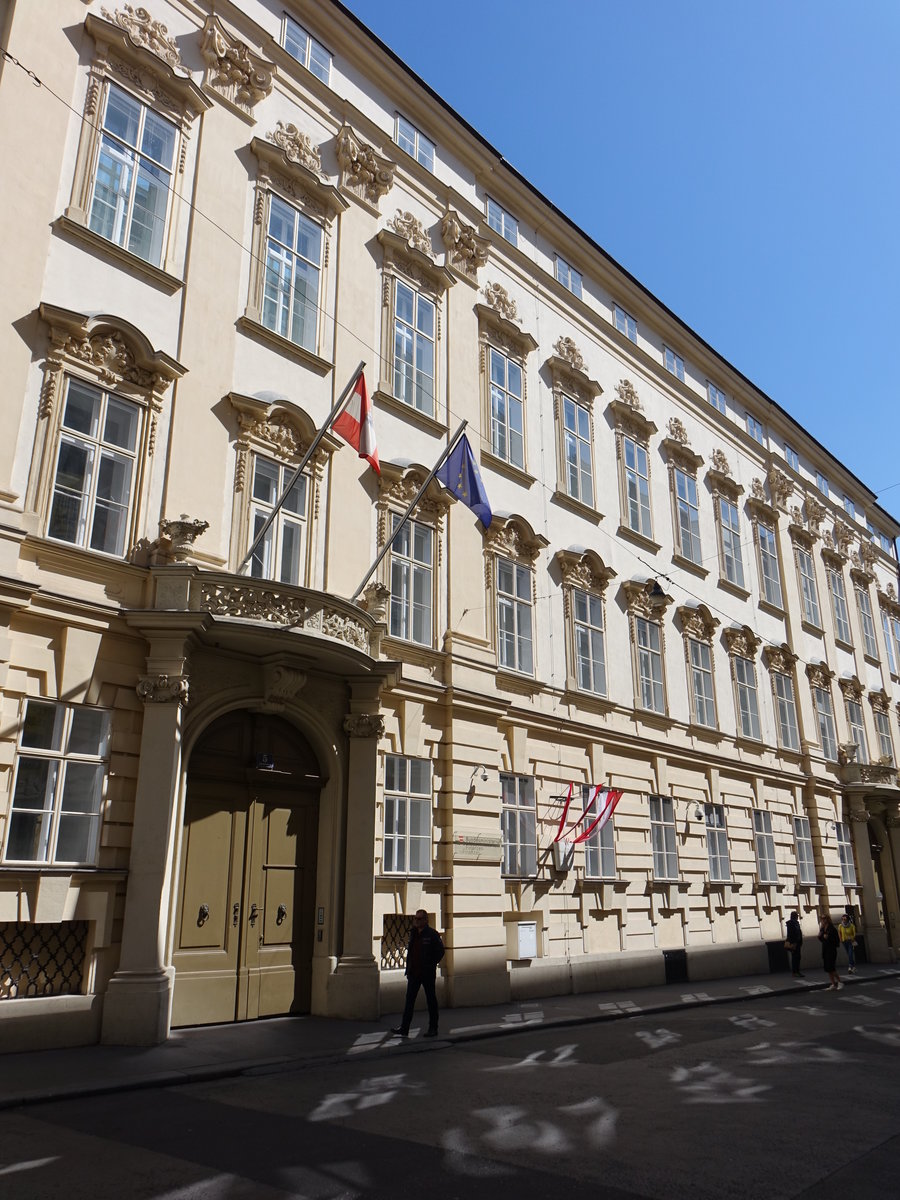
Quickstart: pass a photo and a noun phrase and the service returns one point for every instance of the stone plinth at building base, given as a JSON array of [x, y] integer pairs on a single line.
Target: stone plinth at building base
[[353, 989], [138, 1008]]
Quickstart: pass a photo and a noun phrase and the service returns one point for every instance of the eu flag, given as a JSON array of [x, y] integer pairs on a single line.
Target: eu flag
[[461, 475]]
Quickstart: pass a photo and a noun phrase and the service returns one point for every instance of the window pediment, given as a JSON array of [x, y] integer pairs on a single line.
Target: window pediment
[[498, 318], [567, 372], [398, 485], [697, 622], [880, 701], [277, 429], [584, 569], [513, 537], [628, 412], [819, 675], [759, 505], [741, 641], [780, 658], [851, 688], [283, 163], [403, 253], [645, 598]]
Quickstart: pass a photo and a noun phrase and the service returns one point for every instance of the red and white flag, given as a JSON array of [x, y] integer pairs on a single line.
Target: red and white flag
[[357, 426]]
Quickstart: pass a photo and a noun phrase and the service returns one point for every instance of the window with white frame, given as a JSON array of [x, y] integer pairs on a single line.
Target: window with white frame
[[889, 643], [590, 645], [507, 409], [407, 816], [687, 513], [636, 466], [625, 323], [293, 268], [648, 650], [857, 726], [700, 675], [791, 457], [838, 604], [754, 428], [599, 848], [885, 739], [786, 711], [281, 553], [716, 397], [305, 49], [414, 347], [717, 843], [730, 538], [514, 617], [518, 826], [412, 580], [502, 222], [746, 699], [825, 719], [674, 363], [414, 142], [809, 593], [62, 759], [662, 837], [864, 604], [845, 852], [821, 483], [577, 452], [895, 628], [849, 507], [94, 473], [806, 863], [568, 276], [765, 846], [886, 544], [132, 180], [770, 575]]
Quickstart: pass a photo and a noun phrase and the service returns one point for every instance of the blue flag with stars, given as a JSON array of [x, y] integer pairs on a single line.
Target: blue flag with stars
[[461, 475]]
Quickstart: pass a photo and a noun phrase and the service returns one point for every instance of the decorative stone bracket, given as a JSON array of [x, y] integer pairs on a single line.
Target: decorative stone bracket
[[233, 71], [163, 689]]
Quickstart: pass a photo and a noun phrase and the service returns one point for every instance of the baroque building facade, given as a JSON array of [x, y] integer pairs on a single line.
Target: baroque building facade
[[224, 791]]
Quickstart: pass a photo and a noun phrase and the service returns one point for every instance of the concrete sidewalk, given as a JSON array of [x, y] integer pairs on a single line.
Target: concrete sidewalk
[[286, 1043]]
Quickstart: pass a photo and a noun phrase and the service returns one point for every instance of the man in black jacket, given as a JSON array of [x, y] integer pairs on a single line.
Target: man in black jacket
[[793, 943], [424, 952]]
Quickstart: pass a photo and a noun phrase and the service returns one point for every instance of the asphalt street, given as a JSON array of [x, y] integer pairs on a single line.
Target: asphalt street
[[790, 1096]]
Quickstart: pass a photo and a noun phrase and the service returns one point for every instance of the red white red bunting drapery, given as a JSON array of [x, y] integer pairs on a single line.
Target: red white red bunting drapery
[[606, 798]]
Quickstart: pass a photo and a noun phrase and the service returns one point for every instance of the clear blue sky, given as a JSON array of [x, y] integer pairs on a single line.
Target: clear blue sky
[[739, 157]]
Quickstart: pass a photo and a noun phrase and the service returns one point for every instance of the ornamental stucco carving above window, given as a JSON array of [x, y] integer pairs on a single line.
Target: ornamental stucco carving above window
[[146, 32], [466, 250], [233, 71], [364, 172], [298, 147]]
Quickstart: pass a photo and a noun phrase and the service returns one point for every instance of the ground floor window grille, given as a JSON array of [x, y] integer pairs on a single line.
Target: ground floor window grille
[[41, 960], [394, 940]]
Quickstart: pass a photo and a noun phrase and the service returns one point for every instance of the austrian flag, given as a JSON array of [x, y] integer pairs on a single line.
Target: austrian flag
[[357, 426]]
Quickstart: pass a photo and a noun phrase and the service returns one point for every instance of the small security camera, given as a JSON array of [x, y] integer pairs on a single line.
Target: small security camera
[[483, 775], [698, 813]]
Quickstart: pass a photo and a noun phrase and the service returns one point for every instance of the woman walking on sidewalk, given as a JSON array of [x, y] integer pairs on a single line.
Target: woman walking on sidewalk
[[828, 936], [847, 934]]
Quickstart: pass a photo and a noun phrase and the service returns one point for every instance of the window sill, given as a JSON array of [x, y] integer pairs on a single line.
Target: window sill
[[430, 424], [121, 257], [639, 539], [657, 720], [594, 700], [735, 588], [688, 564], [412, 652], [578, 506], [875, 662], [844, 645], [809, 627], [757, 745], [777, 610], [525, 685], [489, 459], [711, 733], [249, 326]]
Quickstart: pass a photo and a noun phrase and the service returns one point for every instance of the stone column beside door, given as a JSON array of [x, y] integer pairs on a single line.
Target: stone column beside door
[[875, 935]]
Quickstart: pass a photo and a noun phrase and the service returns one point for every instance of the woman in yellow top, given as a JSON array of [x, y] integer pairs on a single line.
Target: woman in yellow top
[[847, 934]]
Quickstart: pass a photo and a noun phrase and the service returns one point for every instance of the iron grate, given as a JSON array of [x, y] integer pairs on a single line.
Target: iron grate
[[394, 940], [41, 960]]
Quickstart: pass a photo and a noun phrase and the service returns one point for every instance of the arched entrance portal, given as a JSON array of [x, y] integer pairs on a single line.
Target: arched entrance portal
[[244, 924]]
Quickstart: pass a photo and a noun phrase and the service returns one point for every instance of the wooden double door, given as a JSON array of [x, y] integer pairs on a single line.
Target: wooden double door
[[245, 917]]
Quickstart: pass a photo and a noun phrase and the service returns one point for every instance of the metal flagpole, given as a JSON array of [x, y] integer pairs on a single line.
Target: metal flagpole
[[415, 500], [313, 446]]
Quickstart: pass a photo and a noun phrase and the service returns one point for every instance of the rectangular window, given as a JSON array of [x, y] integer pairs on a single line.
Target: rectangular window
[[885, 741], [825, 718], [599, 849], [786, 712], [133, 176], [590, 648], [765, 846], [407, 815], [747, 701], [414, 331], [821, 483], [414, 142], [768, 565], [61, 764], [518, 825], [717, 842], [650, 670], [838, 604], [886, 544], [577, 450], [849, 508], [806, 864], [754, 428], [625, 323], [895, 626], [568, 276], [889, 642], [637, 487], [674, 363], [412, 580], [662, 837], [716, 397], [864, 604], [507, 409], [809, 593], [280, 555], [730, 527], [93, 482], [293, 272], [501, 221], [791, 457], [307, 51], [845, 850], [702, 693], [687, 508], [858, 731], [514, 617]]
